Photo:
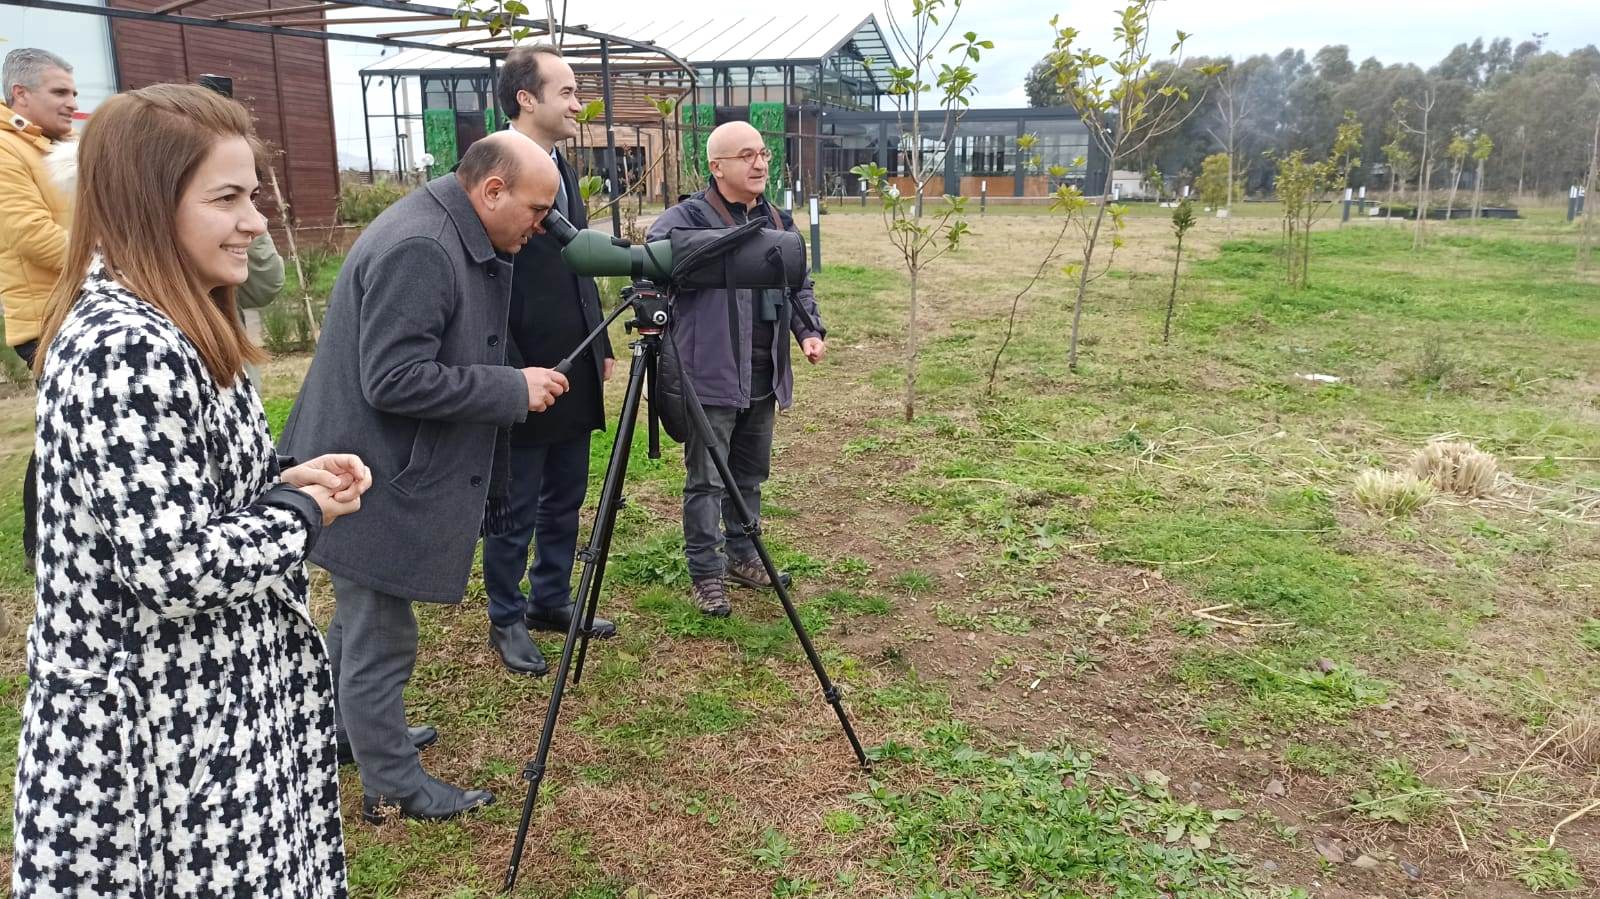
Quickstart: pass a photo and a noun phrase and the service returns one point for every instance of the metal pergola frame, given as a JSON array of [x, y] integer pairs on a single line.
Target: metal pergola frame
[[309, 20]]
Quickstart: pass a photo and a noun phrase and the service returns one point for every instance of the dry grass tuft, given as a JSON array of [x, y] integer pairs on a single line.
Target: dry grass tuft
[[1392, 494], [1579, 743], [1457, 467]]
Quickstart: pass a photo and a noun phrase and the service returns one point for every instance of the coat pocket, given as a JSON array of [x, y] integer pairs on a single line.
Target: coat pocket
[[74, 790], [417, 472]]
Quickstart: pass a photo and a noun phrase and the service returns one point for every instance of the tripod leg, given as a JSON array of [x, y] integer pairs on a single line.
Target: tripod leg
[[605, 520], [645, 355], [747, 521]]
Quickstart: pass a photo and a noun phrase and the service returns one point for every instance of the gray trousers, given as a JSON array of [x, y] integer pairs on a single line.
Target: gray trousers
[[373, 644], [745, 436]]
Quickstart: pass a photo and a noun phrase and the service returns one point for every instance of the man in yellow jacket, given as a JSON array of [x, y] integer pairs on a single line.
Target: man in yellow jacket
[[40, 98]]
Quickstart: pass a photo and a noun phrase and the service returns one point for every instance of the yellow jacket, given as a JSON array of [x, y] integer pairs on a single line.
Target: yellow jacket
[[33, 227]]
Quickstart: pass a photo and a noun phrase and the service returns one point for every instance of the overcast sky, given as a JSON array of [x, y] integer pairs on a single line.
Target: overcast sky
[[1419, 31]]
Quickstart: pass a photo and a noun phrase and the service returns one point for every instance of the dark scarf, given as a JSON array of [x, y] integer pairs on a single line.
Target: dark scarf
[[497, 518]]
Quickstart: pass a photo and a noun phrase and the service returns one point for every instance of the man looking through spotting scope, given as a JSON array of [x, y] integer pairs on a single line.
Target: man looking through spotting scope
[[411, 374], [552, 310], [739, 366]]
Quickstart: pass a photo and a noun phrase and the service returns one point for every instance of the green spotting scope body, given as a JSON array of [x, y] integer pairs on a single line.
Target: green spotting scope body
[[594, 253]]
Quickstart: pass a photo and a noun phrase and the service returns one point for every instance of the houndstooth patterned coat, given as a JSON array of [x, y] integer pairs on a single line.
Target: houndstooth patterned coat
[[177, 737]]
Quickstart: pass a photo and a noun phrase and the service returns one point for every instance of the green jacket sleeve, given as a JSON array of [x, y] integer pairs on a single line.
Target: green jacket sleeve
[[266, 275]]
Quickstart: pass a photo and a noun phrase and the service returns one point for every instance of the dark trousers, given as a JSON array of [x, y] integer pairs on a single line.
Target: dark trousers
[[30, 489], [548, 484], [745, 437], [372, 642]]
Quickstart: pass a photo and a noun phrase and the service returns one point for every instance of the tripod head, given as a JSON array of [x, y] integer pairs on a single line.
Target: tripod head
[[650, 308]]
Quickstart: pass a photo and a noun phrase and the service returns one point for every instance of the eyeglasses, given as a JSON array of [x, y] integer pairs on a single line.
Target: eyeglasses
[[748, 157]]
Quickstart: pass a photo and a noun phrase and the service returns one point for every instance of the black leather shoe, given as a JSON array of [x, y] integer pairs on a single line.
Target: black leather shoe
[[516, 649], [436, 801], [559, 619], [421, 737]]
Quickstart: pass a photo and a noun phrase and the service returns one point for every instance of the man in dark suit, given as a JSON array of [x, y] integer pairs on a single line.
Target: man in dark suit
[[552, 310]]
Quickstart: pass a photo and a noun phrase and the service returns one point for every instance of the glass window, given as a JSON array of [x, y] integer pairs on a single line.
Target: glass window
[[987, 148], [467, 99], [435, 94], [1062, 142], [738, 78]]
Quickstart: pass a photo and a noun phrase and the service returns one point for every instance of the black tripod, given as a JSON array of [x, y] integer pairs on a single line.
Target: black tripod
[[651, 320]]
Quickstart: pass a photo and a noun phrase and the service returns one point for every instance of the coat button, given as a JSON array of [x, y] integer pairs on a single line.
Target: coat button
[[477, 481], [492, 273], [494, 339]]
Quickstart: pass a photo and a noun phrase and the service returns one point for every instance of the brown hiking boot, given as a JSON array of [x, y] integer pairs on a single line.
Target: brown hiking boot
[[751, 573], [711, 597]]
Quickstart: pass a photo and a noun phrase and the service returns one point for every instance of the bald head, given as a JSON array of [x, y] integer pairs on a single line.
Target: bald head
[[737, 153], [511, 182]]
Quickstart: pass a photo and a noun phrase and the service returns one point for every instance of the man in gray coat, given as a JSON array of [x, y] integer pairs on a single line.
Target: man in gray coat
[[411, 374]]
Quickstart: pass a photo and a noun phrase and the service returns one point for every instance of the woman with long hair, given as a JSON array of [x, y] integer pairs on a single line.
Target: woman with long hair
[[177, 737]]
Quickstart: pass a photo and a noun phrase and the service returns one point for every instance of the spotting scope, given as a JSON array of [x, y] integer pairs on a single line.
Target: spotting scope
[[749, 257], [592, 253]]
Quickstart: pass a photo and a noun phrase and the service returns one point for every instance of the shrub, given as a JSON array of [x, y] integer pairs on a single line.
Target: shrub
[[360, 203]]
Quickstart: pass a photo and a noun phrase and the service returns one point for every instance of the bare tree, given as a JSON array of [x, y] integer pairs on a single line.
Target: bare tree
[[1430, 98], [1234, 107], [1590, 211]]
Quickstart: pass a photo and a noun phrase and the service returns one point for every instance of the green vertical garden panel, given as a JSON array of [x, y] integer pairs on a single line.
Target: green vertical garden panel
[[439, 139], [768, 118], [700, 117]]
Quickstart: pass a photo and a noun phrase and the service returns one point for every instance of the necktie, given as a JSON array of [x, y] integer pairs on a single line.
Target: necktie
[[562, 205]]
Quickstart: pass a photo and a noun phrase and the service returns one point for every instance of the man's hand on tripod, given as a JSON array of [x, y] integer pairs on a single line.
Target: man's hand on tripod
[[544, 385], [814, 348]]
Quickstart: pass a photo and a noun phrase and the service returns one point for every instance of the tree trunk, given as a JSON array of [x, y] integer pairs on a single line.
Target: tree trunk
[[911, 350], [1230, 168], [1305, 252], [1455, 185], [294, 255], [1419, 234], [1172, 298], [1088, 257], [1393, 177], [1522, 168], [1477, 192], [1590, 212]]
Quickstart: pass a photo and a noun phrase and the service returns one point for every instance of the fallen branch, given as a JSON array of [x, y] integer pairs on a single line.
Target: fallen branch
[[1459, 832], [1551, 843], [1208, 614]]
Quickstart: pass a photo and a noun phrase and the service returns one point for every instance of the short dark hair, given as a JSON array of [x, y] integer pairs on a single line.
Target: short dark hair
[[521, 73], [485, 158]]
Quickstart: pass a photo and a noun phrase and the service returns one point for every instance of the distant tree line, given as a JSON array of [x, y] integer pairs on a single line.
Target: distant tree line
[[1537, 109]]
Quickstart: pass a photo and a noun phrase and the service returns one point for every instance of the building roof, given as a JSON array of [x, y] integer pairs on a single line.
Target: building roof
[[771, 40]]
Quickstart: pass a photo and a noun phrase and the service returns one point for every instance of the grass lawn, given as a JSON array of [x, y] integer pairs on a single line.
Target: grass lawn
[[1007, 590]]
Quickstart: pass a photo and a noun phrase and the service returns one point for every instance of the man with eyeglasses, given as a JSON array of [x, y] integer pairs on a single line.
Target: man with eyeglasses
[[739, 366]]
